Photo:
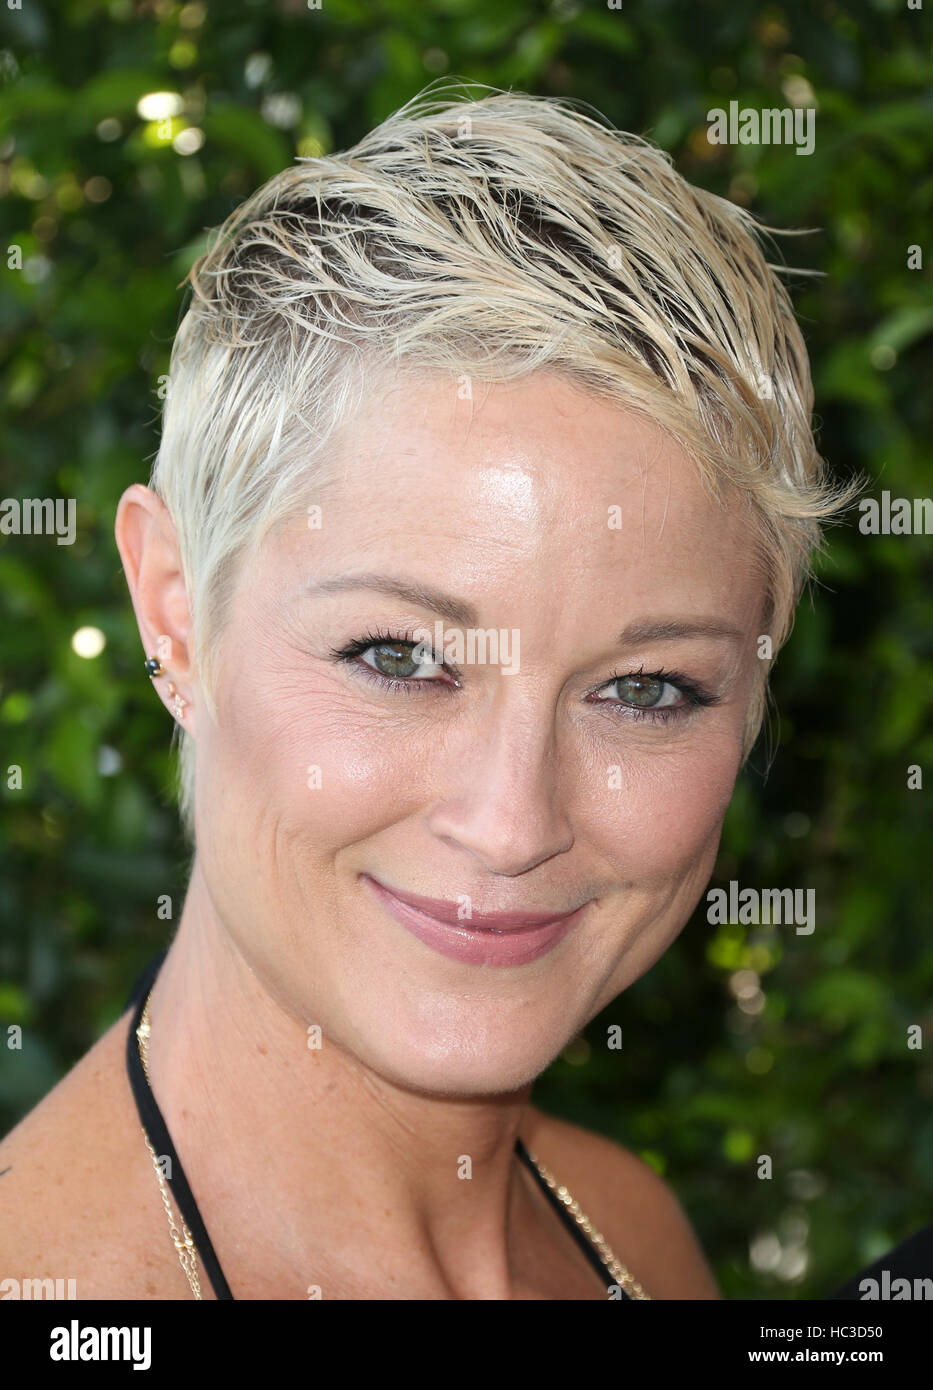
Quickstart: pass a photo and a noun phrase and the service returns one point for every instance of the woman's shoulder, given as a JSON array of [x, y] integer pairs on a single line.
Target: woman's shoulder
[[629, 1204], [77, 1192]]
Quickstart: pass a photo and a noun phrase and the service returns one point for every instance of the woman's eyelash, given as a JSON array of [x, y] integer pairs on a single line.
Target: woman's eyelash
[[372, 639], [695, 696], [354, 650]]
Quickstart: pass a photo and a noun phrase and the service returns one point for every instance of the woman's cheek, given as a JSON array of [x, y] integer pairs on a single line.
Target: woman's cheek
[[340, 772], [658, 810]]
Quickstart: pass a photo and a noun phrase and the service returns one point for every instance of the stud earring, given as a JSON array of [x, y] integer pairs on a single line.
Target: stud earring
[[178, 704], [154, 667]]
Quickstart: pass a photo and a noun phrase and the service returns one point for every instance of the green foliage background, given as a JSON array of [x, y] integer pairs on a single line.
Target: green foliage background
[[814, 1070]]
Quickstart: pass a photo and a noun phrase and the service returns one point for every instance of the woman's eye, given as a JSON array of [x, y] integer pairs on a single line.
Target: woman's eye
[[400, 660], [643, 692]]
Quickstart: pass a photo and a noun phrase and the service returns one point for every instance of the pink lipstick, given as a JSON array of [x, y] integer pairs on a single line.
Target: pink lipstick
[[482, 938]]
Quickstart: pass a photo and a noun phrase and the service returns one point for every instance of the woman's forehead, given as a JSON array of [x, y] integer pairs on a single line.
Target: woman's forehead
[[522, 451], [610, 527]]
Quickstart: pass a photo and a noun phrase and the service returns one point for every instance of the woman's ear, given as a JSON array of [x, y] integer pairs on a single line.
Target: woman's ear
[[148, 546]]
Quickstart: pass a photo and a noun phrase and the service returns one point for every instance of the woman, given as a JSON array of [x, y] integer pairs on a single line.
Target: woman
[[485, 493]]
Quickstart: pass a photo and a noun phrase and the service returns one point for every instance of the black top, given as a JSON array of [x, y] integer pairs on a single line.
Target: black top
[[152, 1122], [911, 1260]]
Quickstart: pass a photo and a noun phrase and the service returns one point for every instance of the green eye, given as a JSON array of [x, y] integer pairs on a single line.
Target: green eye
[[399, 660], [642, 691], [392, 660]]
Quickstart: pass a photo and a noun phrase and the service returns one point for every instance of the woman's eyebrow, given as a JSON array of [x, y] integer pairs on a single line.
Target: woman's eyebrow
[[462, 613], [455, 610], [674, 628]]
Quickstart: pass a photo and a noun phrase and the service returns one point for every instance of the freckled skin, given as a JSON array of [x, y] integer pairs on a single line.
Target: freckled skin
[[500, 789]]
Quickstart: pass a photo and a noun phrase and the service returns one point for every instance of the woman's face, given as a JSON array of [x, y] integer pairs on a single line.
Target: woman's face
[[583, 768]]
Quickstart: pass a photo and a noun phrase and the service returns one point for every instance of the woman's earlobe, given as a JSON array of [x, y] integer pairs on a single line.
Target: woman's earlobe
[[178, 704], [155, 669]]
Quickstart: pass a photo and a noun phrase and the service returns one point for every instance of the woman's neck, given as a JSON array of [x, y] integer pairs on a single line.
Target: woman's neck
[[309, 1169]]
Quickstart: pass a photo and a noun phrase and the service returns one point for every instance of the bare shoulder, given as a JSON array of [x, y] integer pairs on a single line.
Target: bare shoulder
[[634, 1209], [78, 1198]]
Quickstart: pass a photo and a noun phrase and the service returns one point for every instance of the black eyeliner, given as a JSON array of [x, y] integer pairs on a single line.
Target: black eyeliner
[[697, 694]]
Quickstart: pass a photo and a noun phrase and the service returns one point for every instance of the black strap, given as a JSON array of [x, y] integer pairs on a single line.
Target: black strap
[[912, 1259], [589, 1250], [152, 1122]]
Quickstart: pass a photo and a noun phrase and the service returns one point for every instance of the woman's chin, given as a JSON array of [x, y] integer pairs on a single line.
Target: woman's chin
[[457, 1078], [455, 1066]]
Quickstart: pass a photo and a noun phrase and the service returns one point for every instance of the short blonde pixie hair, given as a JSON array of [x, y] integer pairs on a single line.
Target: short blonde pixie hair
[[482, 238]]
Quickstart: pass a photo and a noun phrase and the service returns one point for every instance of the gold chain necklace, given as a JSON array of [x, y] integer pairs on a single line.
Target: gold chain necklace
[[187, 1251], [620, 1274]]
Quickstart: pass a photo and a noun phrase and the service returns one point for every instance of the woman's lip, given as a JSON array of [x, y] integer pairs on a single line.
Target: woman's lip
[[443, 910], [477, 944]]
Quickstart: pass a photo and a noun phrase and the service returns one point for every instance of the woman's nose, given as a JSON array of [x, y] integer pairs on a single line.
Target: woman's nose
[[504, 802]]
